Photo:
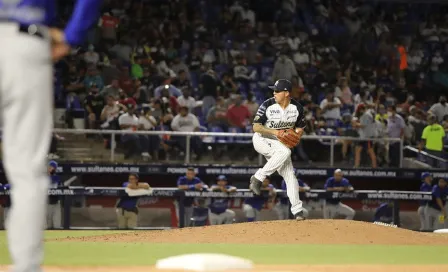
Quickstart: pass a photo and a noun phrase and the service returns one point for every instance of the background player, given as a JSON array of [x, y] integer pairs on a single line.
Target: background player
[[54, 213], [127, 210], [274, 116], [282, 206], [426, 186], [436, 207], [384, 213], [28, 47], [219, 208], [252, 206], [189, 182], [334, 206]]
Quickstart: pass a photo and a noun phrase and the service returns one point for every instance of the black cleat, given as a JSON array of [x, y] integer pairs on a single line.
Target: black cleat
[[255, 185], [299, 216]]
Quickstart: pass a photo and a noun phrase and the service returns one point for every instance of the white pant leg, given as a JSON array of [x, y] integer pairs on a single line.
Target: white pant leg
[[5, 216], [215, 219], [26, 87], [329, 211], [432, 218], [250, 212], [345, 210], [421, 215], [272, 149], [188, 213], [229, 216], [292, 186], [49, 221], [55, 216]]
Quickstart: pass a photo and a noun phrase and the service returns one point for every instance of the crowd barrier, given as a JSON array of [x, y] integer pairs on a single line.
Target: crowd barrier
[[219, 137], [69, 193]]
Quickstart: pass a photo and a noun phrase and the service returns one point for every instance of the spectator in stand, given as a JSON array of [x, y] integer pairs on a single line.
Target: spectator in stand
[[440, 109], [162, 112], [432, 139], [179, 67], [93, 81], [182, 81], [229, 87], [139, 93], [94, 104], [366, 129], [112, 90], [166, 85], [238, 114], [185, 100], [251, 104], [343, 92], [125, 81], [110, 113], [187, 122], [284, 68], [111, 71], [217, 115], [331, 107], [395, 129], [134, 144], [122, 50], [149, 123], [91, 57], [210, 86], [242, 73], [170, 101], [109, 25], [136, 68]]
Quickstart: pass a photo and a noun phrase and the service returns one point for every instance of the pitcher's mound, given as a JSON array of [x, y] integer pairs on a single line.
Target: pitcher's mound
[[282, 232]]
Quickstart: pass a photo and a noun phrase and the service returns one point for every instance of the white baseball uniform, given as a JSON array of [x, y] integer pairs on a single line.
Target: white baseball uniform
[[278, 156]]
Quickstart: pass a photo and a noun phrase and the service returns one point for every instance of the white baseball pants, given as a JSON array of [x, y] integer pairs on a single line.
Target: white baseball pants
[[333, 210], [251, 212], [54, 216], [226, 217], [422, 217], [26, 90], [278, 158], [432, 218]]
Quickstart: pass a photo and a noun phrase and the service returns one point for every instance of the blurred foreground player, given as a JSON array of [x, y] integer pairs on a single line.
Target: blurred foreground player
[[28, 47]]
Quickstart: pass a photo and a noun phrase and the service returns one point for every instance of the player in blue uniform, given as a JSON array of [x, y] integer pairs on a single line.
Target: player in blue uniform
[[252, 206], [334, 207], [384, 213], [54, 213], [436, 207], [219, 208], [426, 186], [282, 206], [27, 49], [127, 210], [6, 204], [189, 182]]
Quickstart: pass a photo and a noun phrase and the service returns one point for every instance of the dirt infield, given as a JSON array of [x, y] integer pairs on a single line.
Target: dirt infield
[[268, 268], [281, 232]]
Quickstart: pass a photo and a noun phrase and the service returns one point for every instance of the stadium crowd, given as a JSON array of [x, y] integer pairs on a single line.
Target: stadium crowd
[[360, 68]]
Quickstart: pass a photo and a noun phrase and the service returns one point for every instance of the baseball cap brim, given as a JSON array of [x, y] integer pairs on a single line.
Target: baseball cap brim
[[277, 90]]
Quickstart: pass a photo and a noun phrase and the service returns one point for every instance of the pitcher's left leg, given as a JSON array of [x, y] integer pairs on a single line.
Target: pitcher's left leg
[[292, 185]]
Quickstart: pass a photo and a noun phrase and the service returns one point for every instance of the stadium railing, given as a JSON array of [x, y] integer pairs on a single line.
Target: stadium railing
[[221, 138]]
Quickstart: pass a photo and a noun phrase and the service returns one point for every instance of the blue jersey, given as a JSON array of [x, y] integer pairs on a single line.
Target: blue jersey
[[331, 183], [7, 203], [220, 205], [284, 200], [384, 213], [191, 183], [43, 12], [425, 187], [438, 192], [257, 202], [128, 203]]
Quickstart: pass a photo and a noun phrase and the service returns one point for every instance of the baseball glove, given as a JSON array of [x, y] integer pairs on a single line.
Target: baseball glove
[[289, 137]]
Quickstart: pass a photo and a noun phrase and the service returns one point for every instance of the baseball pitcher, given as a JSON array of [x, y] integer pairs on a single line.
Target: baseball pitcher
[[334, 206], [278, 127], [426, 186], [219, 208], [27, 50], [435, 212], [282, 206]]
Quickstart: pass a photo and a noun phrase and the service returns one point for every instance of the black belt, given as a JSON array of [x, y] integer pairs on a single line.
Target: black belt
[[32, 30]]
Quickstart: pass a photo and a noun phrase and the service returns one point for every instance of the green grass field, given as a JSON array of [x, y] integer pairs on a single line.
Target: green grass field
[[113, 254]]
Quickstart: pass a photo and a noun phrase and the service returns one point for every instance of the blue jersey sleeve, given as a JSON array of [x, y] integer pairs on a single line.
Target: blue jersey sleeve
[[436, 191], [125, 184], [425, 187], [329, 183], [283, 185], [181, 181], [345, 183], [55, 181], [85, 14]]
